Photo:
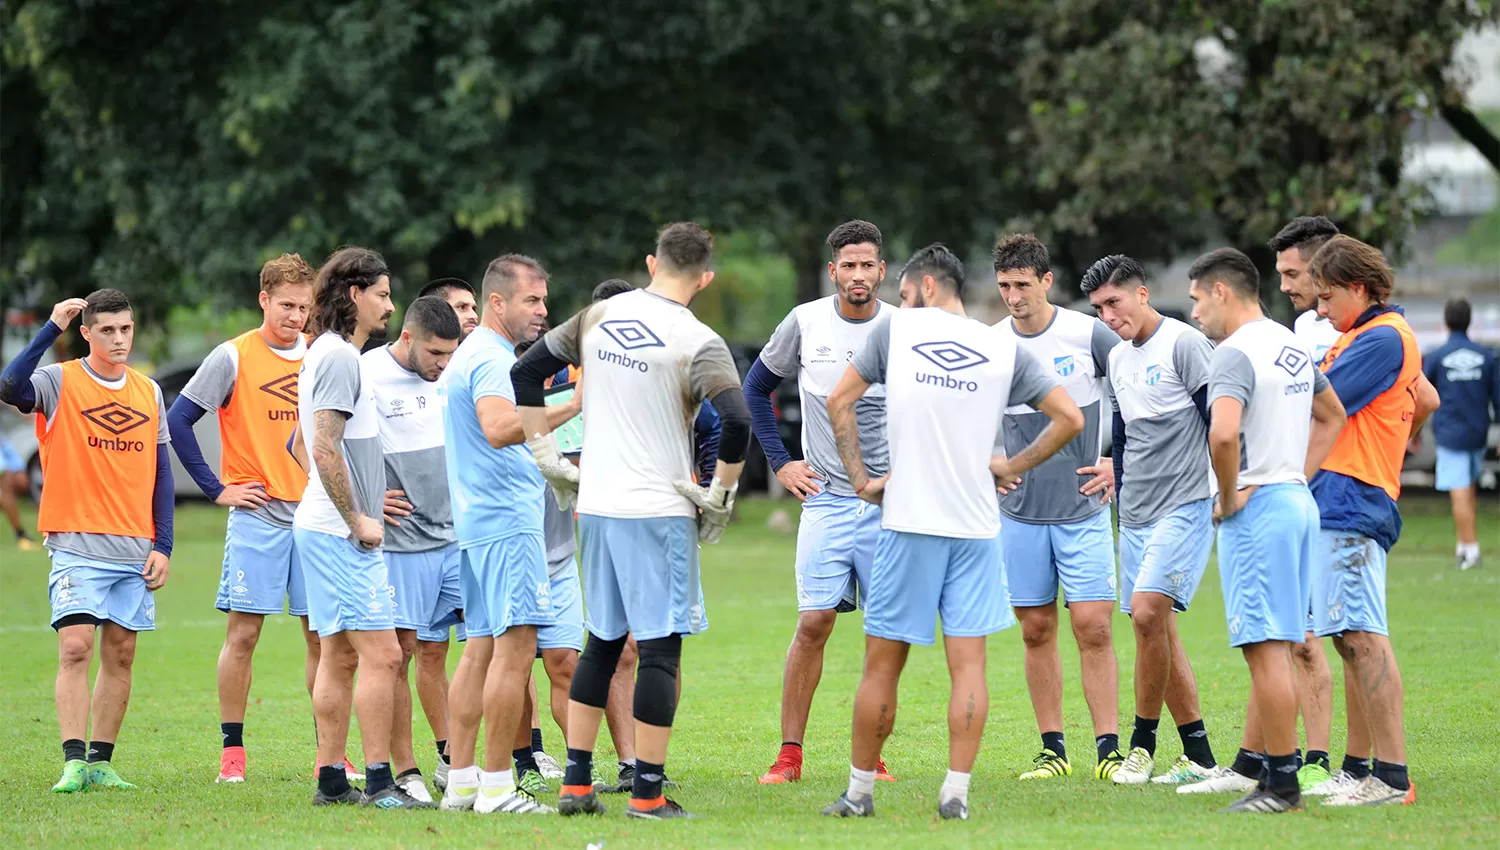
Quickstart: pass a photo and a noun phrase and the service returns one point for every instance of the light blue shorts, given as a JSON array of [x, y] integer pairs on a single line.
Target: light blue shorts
[[1079, 554], [835, 547], [10, 459], [348, 589], [641, 576], [1458, 468], [567, 602], [1266, 556], [1168, 556], [427, 596], [917, 578], [1348, 585], [504, 585], [261, 569], [99, 589]]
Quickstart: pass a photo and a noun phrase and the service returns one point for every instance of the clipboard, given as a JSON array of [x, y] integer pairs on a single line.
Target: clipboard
[[569, 435]]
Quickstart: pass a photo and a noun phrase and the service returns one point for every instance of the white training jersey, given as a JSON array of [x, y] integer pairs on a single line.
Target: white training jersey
[[650, 364], [411, 439], [330, 380], [1151, 384], [1316, 332], [1269, 370], [1074, 348], [948, 381], [815, 343]]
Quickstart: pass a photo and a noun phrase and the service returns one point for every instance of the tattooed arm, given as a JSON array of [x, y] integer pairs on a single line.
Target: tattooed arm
[[328, 457], [850, 389]]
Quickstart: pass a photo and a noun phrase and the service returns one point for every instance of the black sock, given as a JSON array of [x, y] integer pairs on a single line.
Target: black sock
[[416, 771], [524, 758], [1298, 753], [1195, 743], [1054, 741], [1283, 773], [101, 751], [74, 749], [1356, 767], [1319, 758], [1144, 734], [378, 778], [332, 780], [648, 778], [536, 741], [1247, 764], [234, 734], [1106, 744], [1393, 775], [442, 748], [580, 768], [21, 534]]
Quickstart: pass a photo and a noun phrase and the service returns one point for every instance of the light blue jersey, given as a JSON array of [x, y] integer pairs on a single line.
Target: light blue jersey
[[497, 493]]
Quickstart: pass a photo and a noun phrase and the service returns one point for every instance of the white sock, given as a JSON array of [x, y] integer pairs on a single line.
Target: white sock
[[503, 781], [861, 782], [955, 784], [1469, 550], [464, 777]]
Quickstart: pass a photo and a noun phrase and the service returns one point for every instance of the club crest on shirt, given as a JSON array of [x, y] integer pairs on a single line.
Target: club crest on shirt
[[1153, 375], [1064, 366]]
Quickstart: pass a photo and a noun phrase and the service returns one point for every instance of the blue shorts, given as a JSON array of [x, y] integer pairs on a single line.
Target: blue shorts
[[835, 547], [1458, 468], [1079, 554], [261, 569], [641, 576], [567, 603], [1348, 585], [1266, 556], [426, 585], [504, 585], [104, 591], [917, 578], [10, 459], [348, 589], [1168, 556]]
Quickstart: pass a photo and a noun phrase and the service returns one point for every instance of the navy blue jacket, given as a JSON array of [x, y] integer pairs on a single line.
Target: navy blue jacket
[[1468, 385]]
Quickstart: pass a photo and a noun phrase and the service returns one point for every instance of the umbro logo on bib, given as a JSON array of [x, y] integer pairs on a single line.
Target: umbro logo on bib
[[115, 418], [631, 334], [1291, 360], [284, 388], [950, 356]]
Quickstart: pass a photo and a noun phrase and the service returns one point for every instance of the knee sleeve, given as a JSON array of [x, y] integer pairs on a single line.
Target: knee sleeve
[[596, 666], [656, 680]]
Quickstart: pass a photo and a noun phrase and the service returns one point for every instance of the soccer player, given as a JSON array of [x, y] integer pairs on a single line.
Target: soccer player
[[1467, 380], [1158, 388], [420, 549], [947, 379], [338, 531], [836, 538], [1272, 418], [13, 485], [460, 296], [1057, 523], [637, 503], [250, 382], [1375, 368], [106, 517], [1295, 245], [497, 499]]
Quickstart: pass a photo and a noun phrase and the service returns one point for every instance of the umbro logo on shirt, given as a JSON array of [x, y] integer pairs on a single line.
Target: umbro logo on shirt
[[950, 356], [1463, 365], [284, 388], [115, 418], [1292, 360], [631, 334]]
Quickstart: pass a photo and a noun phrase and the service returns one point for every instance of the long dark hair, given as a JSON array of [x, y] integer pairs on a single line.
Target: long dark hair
[[333, 309]]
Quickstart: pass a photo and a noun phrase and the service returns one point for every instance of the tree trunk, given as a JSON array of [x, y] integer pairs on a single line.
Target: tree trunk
[[1468, 126]]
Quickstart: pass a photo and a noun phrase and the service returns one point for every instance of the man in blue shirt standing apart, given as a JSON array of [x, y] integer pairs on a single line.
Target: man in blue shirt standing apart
[[1468, 383]]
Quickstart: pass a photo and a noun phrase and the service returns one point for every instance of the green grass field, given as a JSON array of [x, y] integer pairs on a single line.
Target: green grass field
[[1446, 637]]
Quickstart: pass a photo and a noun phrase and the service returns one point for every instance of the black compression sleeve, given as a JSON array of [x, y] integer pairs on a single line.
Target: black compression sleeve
[[529, 376], [734, 421]]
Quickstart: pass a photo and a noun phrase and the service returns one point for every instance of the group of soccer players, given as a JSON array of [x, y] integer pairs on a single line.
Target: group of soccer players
[[952, 473]]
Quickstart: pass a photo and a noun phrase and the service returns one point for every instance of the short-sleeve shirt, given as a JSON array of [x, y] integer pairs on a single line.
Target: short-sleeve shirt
[[211, 388], [815, 343], [1075, 348], [497, 493], [1316, 332], [650, 364], [1270, 371], [411, 440], [948, 381], [330, 381], [561, 541], [46, 385], [1151, 384]]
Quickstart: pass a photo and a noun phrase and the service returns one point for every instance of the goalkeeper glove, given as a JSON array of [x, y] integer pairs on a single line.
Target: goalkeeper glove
[[559, 473], [715, 506]]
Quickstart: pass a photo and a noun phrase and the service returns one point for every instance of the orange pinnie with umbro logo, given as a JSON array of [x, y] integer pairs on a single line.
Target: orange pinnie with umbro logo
[[259, 419], [1372, 446], [99, 456]]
